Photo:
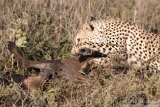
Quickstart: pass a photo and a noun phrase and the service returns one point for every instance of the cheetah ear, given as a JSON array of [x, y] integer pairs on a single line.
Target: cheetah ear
[[92, 18], [88, 27]]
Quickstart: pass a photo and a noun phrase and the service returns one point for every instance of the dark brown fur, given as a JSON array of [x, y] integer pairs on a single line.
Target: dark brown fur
[[68, 69]]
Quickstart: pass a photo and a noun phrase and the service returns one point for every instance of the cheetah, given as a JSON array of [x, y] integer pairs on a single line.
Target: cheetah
[[124, 40]]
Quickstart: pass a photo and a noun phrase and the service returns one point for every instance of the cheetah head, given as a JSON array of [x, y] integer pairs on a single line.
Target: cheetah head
[[81, 40], [92, 36]]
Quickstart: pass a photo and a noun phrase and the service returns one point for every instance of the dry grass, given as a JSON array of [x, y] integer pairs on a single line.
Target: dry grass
[[49, 27]]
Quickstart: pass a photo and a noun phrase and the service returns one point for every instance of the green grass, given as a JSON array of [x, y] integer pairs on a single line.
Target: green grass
[[44, 29]]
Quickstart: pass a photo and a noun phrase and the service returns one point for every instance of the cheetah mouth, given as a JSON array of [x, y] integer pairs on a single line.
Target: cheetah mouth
[[91, 53], [85, 52]]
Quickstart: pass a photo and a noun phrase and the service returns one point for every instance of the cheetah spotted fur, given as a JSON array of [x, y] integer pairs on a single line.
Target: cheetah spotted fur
[[122, 39]]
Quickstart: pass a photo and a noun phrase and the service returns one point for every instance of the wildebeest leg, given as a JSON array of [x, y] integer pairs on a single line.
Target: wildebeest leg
[[29, 63], [68, 69], [50, 66]]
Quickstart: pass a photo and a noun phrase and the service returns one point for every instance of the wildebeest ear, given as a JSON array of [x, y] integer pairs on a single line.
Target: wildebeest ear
[[92, 18], [88, 27]]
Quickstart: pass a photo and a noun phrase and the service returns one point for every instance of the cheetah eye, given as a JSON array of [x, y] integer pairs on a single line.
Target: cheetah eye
[[78, 40], [88, 27], [91, 27]]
